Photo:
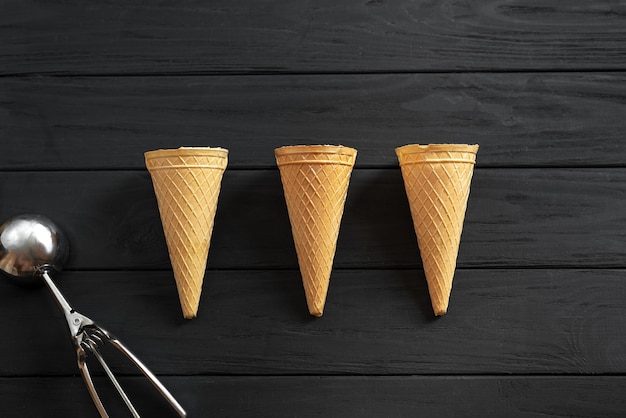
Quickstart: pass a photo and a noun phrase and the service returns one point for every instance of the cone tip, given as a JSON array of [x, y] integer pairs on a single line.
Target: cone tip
[[441, 312], [190, 309], [316, 312]]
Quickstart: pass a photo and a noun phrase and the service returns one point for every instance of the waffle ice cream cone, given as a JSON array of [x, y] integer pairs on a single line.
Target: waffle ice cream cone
[[187, 184], [315, 182], [437, 179]]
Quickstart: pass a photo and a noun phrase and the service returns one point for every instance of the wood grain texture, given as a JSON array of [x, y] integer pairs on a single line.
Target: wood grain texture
[[539, 120], [515, 218], [376, 322], [225, 36], [523, 397], [537, 320]]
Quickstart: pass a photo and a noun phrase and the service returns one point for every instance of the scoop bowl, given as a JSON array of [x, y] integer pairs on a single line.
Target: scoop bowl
[[29, 245]]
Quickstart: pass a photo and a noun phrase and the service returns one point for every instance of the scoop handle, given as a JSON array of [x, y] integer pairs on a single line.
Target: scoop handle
[[83, 331], [151, 377], [84, 371], [114, 341]]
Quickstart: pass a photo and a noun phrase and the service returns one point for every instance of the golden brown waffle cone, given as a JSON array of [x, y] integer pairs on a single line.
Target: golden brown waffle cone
[[187, 184], [437, 179], [315, 181]]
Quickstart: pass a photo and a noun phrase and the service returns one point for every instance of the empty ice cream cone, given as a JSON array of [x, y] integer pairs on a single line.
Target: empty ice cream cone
[[315, 182], [437, 179], [187, 185]]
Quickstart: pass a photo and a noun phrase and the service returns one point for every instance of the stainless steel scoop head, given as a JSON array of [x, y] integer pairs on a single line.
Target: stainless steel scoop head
[[29, 243]]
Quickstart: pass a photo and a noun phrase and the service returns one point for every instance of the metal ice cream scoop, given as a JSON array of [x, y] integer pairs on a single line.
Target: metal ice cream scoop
[[31, 247]]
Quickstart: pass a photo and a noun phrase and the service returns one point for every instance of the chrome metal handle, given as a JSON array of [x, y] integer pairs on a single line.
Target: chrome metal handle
[[91, 344], [149, 375], [84, 371], [96, 336]]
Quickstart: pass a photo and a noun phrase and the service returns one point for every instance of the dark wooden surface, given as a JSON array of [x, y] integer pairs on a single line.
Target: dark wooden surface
[[519, 119], [236, 36], [537, 321]]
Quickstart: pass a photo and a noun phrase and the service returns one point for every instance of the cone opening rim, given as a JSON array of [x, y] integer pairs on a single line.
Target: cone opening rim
[[187, 151], [426, 148], [315, 149], [413, 154], [439, 161]]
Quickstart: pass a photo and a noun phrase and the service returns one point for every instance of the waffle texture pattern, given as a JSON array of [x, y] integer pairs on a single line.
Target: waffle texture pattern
[[187, 185], [437, 180], [315, 181]]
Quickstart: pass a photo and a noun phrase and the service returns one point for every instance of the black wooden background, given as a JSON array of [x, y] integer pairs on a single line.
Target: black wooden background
[[537, 320]]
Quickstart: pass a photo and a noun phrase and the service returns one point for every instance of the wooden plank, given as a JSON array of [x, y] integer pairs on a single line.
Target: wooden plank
[[589, 397], [561, 119], [92, 37], [332, 396], [376, 322], [515, 218]]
